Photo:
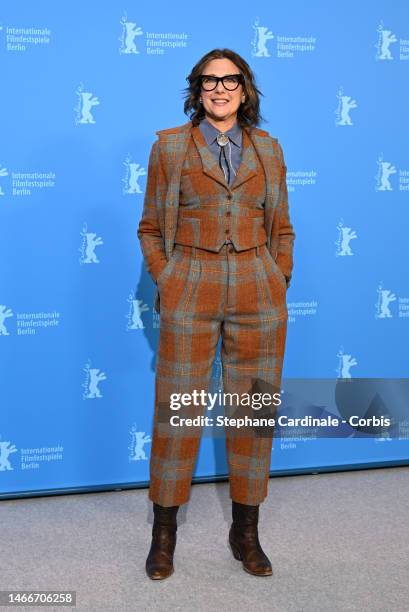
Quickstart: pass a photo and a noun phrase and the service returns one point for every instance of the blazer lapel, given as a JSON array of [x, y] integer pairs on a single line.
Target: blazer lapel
[[248, 165], [210, 164]]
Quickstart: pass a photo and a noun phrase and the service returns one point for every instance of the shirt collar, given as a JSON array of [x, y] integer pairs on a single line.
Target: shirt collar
[[210, 132]]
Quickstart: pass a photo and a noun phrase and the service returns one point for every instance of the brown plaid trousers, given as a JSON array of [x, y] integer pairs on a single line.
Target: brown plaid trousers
[[240, 295]]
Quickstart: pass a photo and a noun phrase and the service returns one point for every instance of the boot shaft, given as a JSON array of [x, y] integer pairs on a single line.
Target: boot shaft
[[244, 515], [165, 516]]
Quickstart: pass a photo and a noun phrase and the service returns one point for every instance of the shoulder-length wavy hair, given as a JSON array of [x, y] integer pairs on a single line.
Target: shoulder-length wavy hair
[[248, 114]]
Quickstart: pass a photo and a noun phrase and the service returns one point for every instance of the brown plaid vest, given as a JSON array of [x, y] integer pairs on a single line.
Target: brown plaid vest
[[221, 213]]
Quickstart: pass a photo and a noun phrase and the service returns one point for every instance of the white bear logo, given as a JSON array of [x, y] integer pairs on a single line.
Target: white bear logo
[[129, 32], [140, 439], [3, 172], [385, 39], [345, 104], [5, 452], [345, 363], [385, 297], [5, 313], [86, 101], [261, 36], [138, 307], [385, 170], [89, 242], [134, 171], [346, 235], [93, 377], [92, 241]]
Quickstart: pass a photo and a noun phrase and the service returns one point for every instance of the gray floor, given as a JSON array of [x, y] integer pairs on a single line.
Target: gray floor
[[336, 541]]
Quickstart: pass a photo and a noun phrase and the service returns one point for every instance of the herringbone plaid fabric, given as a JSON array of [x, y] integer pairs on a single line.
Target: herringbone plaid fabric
[[240, 295], [157, 228], [210, 212]]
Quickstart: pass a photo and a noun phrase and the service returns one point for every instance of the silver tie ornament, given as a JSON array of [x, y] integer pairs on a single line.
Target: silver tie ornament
[[222, 139]]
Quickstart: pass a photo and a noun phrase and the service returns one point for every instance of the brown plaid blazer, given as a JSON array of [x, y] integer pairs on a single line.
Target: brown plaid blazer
[[157, 227]]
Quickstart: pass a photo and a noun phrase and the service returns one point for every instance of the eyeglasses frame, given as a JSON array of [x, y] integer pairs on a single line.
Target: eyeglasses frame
[[218, 79]]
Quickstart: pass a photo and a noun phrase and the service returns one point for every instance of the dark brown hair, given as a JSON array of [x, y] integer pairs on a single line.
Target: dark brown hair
[[248, 113]]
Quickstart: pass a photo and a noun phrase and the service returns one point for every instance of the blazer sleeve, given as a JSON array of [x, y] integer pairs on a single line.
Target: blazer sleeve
[[149, 230], [286, 234]]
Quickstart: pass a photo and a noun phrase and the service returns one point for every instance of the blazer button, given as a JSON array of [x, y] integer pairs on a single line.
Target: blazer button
[[230, 197], [227, 231], [231, 249], [228, 213]]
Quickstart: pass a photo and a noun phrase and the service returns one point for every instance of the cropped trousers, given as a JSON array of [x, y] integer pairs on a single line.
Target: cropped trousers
[[240, 296]]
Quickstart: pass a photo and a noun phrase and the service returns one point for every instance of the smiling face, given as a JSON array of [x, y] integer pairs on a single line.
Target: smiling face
[[220, 104]]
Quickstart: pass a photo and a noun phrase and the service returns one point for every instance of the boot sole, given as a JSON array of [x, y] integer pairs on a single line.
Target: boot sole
[[160, 577]]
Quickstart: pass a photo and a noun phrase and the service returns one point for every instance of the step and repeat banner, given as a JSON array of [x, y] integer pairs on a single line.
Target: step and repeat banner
[[84, 87]]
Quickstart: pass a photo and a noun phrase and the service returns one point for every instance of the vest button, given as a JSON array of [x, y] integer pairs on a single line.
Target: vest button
[[231, 249]]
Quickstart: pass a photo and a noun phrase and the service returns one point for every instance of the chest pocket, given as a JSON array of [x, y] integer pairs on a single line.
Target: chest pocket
[[196, 188]]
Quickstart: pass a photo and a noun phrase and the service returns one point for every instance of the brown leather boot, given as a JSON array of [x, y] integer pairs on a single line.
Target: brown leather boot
[[159, 563], [244, 542]]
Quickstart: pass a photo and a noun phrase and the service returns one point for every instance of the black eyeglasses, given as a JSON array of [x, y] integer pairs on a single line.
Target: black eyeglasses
[[230, 81]]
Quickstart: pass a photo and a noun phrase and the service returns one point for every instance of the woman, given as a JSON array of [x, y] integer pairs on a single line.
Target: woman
[[217, 240]]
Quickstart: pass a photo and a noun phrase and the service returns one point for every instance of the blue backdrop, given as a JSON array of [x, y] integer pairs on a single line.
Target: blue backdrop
[[84, 87]]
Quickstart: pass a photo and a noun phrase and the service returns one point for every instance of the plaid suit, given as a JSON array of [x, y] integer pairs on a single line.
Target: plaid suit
[[206, 291]]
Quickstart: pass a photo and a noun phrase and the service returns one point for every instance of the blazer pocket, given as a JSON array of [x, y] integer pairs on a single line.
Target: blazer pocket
[[188, 171], [276, 268], [255, 213], [164, 272]]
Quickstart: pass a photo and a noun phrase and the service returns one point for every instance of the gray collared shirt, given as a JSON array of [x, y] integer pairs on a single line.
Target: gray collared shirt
[[233, 147]]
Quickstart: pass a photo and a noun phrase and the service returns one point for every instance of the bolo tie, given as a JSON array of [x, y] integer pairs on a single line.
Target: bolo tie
[[222, 141]]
